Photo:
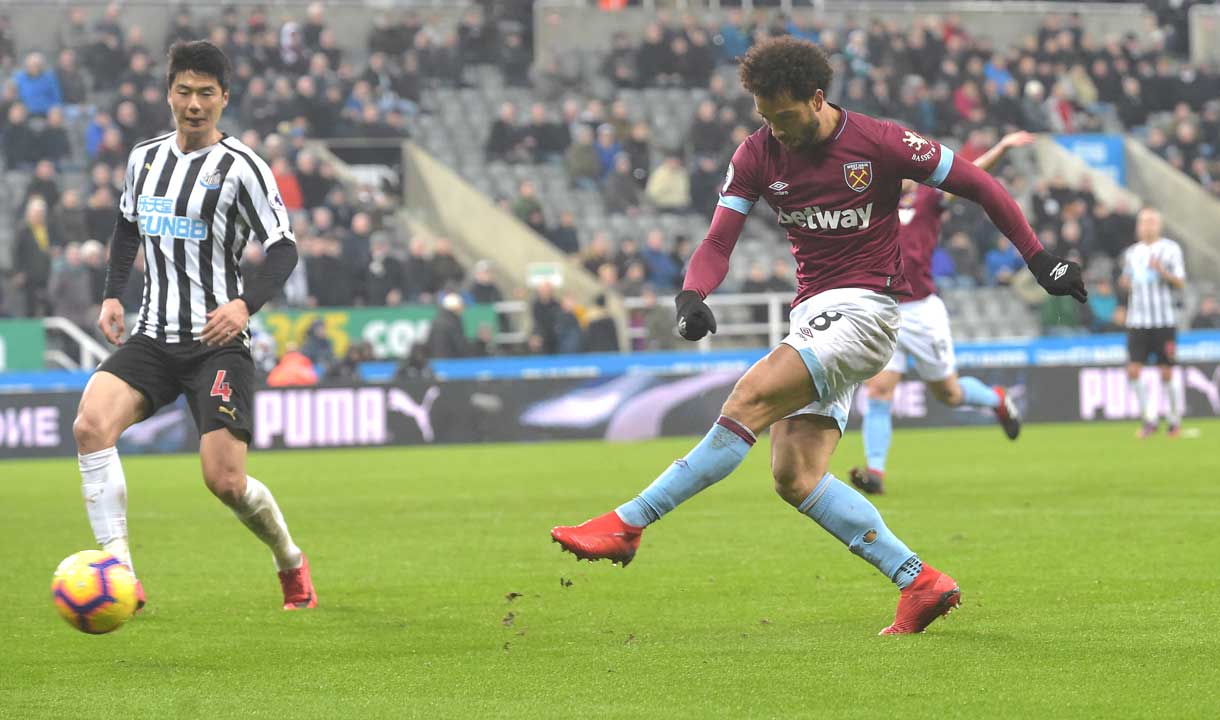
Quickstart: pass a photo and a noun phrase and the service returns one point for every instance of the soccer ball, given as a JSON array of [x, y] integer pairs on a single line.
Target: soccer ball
[[94, 591]]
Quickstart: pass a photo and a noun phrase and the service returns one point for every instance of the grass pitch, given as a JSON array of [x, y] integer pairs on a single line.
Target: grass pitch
[[1087, 560]]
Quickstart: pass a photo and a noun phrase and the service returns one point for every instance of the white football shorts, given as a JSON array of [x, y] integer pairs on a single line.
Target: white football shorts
[[926, 339], [845, 336]]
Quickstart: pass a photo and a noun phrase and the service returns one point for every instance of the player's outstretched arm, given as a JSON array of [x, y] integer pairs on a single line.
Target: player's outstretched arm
[[124, 244], [708, 268], [1056, 275], [988, 160]]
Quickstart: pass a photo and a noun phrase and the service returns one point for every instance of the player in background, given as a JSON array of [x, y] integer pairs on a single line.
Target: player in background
[[834, 179], [192, 198], [925, 336], [1152, 269]]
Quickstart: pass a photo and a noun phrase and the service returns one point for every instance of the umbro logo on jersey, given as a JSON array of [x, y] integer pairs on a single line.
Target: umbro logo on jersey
[[1059, 271], [211, 181], [779, 187]]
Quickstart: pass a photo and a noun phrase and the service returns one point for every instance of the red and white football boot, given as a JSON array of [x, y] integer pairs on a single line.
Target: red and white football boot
[[933, 594], [605, 537]]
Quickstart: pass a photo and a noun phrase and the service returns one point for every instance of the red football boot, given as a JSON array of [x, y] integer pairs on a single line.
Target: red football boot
[[605, 537], [1008, 414], [298, 587], [868, 480], [932, 595], [141, 600]]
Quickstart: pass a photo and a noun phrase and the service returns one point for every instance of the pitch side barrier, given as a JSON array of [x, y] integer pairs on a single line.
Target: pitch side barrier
[[630, 398]]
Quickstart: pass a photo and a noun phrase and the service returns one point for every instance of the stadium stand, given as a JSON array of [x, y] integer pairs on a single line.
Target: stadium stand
[[614, 156]]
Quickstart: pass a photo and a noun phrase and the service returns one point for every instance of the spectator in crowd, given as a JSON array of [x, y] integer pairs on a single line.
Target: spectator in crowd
[[1208, 317], [544, 138], [564, 235], [657, 321], [634, 278], [621, 193], [483, 289], [71, 288], [1002, 261], [32, 257], [20, 141], [93, 255], [527, 207], [663, 271], [53, 142], [757, 281], [286, 180], [598, 252], [327, 276], [347, 370], [70, 217], [568, 331], [447, 272], [73, 88], [314, 180], [668, 186], [293, 370], [37, 86], [383, 278], [101, 210], [582, 159], [318, 347], [964, 256], [419, 284], [44, 184], [1060, 317], [1103, 304], [545, 312], [601, 333], [504, 141], [607, 149], [705, 184], [446, 336]]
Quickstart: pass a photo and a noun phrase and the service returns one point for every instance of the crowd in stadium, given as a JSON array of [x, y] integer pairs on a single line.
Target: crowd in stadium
[[69, 115]]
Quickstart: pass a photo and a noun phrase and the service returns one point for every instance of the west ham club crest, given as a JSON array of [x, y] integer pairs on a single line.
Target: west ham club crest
[[859, 174]]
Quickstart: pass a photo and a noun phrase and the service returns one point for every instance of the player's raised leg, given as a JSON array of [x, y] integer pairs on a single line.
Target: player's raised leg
[[878, 429], [775, 386], [972, 392], [801, 448], [223, 456], [107, 408]]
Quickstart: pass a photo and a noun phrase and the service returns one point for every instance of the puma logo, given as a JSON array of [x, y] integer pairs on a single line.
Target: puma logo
[[228, 411]]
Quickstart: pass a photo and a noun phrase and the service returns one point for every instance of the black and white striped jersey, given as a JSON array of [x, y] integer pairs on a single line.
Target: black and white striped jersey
[[1151, 303], [196, 212]]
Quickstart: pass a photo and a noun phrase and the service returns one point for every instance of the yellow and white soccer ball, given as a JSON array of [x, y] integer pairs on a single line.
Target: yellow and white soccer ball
[[94, 591]]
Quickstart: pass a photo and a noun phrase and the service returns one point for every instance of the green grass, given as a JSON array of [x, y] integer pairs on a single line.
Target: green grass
[[1088, 564]]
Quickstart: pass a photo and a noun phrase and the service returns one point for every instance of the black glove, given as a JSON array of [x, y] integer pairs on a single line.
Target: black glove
[[695, 318], [1058, 276]]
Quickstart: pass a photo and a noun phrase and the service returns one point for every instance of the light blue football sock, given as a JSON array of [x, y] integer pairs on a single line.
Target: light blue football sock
[[878, 428], [851, 518], [974, 392], [717, 455]]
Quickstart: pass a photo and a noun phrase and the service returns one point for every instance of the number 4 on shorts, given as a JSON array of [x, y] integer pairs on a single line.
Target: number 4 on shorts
[[220, 388]]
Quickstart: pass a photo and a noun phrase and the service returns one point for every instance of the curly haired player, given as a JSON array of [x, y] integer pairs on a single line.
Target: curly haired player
[[834, 180]]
